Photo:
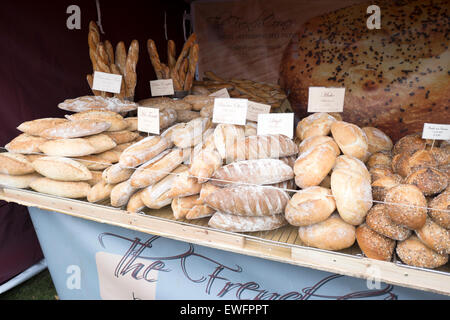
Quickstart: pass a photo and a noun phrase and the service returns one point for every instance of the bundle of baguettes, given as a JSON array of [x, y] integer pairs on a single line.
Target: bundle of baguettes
[[180, 69], [120, 62]]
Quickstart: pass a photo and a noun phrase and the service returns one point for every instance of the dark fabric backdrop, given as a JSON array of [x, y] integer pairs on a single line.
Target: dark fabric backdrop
[[42, 63]]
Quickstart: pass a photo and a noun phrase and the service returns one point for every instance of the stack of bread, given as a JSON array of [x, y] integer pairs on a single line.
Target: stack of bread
[[411, 183]]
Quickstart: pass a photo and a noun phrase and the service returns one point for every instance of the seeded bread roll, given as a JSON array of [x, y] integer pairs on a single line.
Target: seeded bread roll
[[235, 223], [409, 144], [248, 200], [439, 209], [317, 124], [21, 182], [429, 180], [381, 186], [379, 221], [395, 80], [61, 169], [25, 144], [377, 139], [419, 159], [414, 252], [309, 206], [435, 237], [15, 164], [351, 139], [66, 189], [373, 244], [406, 206], [331, 234]]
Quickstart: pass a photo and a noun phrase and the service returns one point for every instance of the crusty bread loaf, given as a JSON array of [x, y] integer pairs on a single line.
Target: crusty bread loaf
[[439, 209], [400, 164], [21, 182], [62, 169], [25, 144], [121, 193], [86, 103], [429, 180], [419, 159], [378, 220], [116, 121], [313, 165], [34, 127], [99, 192], [406, 206], [225, 137], [309, 206], [132, 123], [373, 244], [94, 162], [96, 177], [15, 164], [377, 140], [157, 168], [181, 206], [116, 173], [121, 137], [350, 185], [351, 139], [316, 124], [199, 101], [395, 80], [248, 200], [331, 234], [314, 141], [207, 189], [414, 252], [143, 151], [261, 171], [434, 236], [265, 147], [199, 211], [381, 158], [167, 117], [204, 164], [101, 142], [162, 103], [135, 204], [184, 185], [235, 223], [77, 147], [190, 133], [187, 115], [75, 129], [66, 189]]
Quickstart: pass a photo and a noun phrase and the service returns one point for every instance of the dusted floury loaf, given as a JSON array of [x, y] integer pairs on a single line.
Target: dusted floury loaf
[[396, 78]]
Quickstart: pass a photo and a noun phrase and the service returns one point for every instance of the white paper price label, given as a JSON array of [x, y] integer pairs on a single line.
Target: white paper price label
[[322, 99], [276, 123], [148, 120], [230, 111], [255, 108], [222, 93], [436, 131], [161, 87], [107, 82]]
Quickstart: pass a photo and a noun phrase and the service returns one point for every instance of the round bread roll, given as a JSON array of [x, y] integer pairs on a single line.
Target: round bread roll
[[15, 164], [439, 209], [314, 141], [435, 237], [379, 172], [381, 158], [331, 234], [377, 139], [351, 139], [414, 252], [381, 186], [406, 206], [409, 144], [373, 244], [62, 169], [400, 164], [309, 206], [429, 180], [317, 124], [378, 220], [312, 166], [20, 182], [350, 185], [66, 189]]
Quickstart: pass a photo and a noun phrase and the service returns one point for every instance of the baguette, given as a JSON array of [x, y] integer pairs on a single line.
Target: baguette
[[94, 162], [116, 120], [25, 144], [35, 127], [235, 223], [193, 59], [130, 76], [96, 177], [181, 206], [120, 58], [248, 200], [99, 192], [135, 204], [143, 151], [121, 193], [116, 173], [75, 129], [15, 164], [199, 211], [154, 58], [184, 185], [61, 169], [261, 171], [171, 54], [66, 189], [20, 182]]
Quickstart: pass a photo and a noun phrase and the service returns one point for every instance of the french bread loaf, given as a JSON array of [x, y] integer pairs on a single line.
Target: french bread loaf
[[76, 147], [143, 151], [85, 103], [116, 121], [21, 182], [25, 144], [75, 129], [15, 164], [121, 193], [99, 192], [66, 189], [34, 127], [61, 169], [235, 223]]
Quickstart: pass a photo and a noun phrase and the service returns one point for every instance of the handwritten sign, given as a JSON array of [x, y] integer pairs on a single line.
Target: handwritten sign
[[162, 87], [148, 120], [436, 131], [107, 82], [230, 111], [322, 99], [276, 123], [222, 93], [255, 108]]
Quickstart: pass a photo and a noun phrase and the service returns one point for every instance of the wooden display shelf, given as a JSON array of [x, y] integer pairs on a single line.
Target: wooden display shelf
[[280, 245]]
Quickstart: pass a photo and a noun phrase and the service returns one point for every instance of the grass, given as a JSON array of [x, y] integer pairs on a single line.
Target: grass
[[39, 287]]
